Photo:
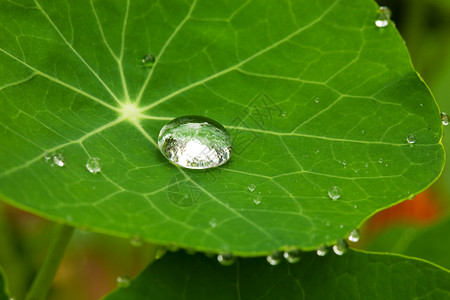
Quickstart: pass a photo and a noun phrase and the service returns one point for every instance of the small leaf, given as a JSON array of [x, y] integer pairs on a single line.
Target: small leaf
[[356, 275], [313, 94]]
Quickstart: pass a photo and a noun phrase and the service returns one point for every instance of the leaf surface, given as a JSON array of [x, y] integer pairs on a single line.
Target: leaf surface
[[313, 94], [355, 275]]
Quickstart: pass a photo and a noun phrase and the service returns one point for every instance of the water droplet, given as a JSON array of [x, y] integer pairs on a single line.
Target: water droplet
[[411, 138], [444, 118], [94, 165], [366, 165], [251, 187], [341, 226], [160, 252], [275, 258], [257, 200], [148, 60], [316, 100], [136, 241], [363, 131], [380, 160], [190, 251], [213, 223], [226, 259], [411, 197], [322, 251], [354, 236], [341, 247], [334, 192], [195, 142], [123, 281], [284, 114], [384, 14], [292, 256], [58, 160]]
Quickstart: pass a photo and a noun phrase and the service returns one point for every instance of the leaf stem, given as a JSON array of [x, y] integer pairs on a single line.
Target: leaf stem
[[43, 281]]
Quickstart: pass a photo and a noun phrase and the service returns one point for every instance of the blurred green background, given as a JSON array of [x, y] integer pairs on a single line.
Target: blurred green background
[[418, 227]]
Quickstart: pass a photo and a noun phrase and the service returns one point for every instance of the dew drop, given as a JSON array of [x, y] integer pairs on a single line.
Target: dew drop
[[160, 252], [316, 100], [226, 259], [58, 160], [213, 223], [384, 14], [148, 60], [275, 258], [444, 118], [354, 236], [195, 142], [334, 192], [136, 241], [251, 187], [123, 281], [411, 138], [94, 165], [292, 256], [322, 251], [341, 247], [257, 200]]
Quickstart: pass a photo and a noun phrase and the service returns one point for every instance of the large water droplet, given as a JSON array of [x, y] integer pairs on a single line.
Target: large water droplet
[[275, 258], [334, 192], [226, 259], [123, 281], [195, 142], [341, 247], [354, 236], [444, 118], [411, 138], [58, 159], [251, 187], [136, 241], [148, 60], [293, 256], [384, 14], [94, 165], [322, 251]]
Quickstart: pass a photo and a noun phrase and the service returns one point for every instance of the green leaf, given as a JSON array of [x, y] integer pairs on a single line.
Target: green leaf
[[429, 243], [3, 286], [355, 275], [313, 94]]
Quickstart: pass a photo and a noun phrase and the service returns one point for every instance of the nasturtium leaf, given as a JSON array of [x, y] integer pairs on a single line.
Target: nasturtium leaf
[[430, 243], [3, 287], [313, 94], [356, 275]]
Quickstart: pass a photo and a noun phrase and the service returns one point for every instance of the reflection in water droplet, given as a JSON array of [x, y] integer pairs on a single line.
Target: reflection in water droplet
[[384, 14], [322, 251], [123, 281], [195, 142], [275, 258], [148, 60], [94, 165], [354, 236], [257, 200], [226, 259], [316, 100], [251, 187], [411, 138], [334, 192], [136, 241], [292, 256], [341, 247], [58, 160], [444, 118], [380, 160]]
